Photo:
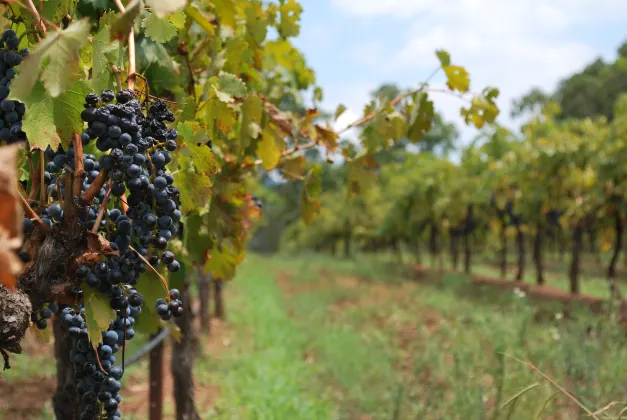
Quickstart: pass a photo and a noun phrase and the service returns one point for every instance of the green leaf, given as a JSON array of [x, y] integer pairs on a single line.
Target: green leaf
[[270, 147], [229, 87], [151, 288], [98, 314], [312, 186], [68, 108], [195, 186], [197, 238], [163, 29], [422, 117], [123, 24], [177, 19], [444, 57], [195, 139], [62, 50], [158, 29], [105, 54], [255, 25], [188, 111], [201, 18], [51, 121], [339, 111], [163, 7]]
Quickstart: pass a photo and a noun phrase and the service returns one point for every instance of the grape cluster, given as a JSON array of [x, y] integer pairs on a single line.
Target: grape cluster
[[139, 149], [11, 112], [134, 149], [172, 307], [100, 388], [40, 318]]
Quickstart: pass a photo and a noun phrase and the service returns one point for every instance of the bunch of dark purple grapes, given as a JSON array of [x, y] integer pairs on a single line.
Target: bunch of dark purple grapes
[[11, 112], [97, 379]]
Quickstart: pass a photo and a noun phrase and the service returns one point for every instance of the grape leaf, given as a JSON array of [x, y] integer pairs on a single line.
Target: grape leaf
[[123, 24], [98, 314], [163, 7], [227, 10], [195, 186], [339, 111], [421, 123], [293, 167], [255, 25], [251, 117], [195, 139], [151, 288], [104, 55], [310, 206], [458, 78], [229, 87], [62, 50], [223, 259], [197, 238], [163, 29], [444, 57], [290, 15], [68, 108], [327, 137], [270, 147], [188, 111], [199, 16], [51, 121]]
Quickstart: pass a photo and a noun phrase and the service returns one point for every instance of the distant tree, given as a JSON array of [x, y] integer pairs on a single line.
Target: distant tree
[[591, 92]]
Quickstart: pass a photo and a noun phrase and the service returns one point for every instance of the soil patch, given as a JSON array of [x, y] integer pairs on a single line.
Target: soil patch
[[26, 398], [136, 392]]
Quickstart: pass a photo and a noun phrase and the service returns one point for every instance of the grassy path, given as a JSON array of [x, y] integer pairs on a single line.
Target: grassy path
[[352, 340], [264, 376]]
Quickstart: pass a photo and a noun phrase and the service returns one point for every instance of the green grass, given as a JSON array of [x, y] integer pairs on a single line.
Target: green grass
[[592, 278], [265, 375], [386, 348]]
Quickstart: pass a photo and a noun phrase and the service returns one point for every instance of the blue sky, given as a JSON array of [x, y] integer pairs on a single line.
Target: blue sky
[[355, 45]]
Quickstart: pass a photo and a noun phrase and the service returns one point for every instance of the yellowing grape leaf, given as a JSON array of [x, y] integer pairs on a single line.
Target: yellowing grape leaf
[[339, 111], [195, 139], [458, 78], [206, 21], [251, 118], [310, 206], [195, 186], [290, 11], [62, 50], [223, 259], [422, 117], [255, 25], [327, 137], [444, 57], [270, 147], [98, 314], [293, 167]]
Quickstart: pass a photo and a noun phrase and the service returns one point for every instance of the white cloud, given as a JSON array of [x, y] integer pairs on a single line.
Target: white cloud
[[511, 44]]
